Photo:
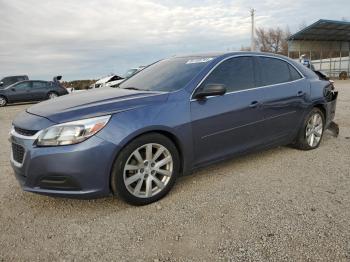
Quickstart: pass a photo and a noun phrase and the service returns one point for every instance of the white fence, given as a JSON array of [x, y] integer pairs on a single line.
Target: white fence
[[333, 66]]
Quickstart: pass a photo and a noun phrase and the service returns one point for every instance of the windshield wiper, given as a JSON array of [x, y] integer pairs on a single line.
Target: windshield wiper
[[135, 88], [131, 88]]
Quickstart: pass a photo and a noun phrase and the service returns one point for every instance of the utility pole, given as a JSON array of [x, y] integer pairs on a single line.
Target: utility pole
[[252, 40]]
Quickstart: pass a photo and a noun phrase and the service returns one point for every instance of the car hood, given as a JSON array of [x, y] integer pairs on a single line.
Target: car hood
[[94, 103]]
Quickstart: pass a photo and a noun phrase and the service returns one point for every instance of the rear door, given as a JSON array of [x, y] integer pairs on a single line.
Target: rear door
[[39, 90], [285, 92], [223, 125]]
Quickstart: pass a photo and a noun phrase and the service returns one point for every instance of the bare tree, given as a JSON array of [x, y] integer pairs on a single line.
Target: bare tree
[[284, 44], [273, 40]]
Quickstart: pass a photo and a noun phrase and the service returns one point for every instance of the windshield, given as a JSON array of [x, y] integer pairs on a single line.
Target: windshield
[[167, 75], [129, 73]]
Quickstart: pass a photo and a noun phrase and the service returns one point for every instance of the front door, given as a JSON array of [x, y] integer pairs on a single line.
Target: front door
[[20, 92], [231, 123]]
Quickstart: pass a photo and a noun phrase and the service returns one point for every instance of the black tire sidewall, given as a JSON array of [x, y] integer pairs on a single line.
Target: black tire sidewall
[[117, 181]]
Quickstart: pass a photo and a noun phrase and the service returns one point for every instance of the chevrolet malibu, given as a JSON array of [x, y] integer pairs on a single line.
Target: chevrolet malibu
[[175, 116]]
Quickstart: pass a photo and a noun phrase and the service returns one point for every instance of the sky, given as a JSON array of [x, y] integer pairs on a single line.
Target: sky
[[89, 39]]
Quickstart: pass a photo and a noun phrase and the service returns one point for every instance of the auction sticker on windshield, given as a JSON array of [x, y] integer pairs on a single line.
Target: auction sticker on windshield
[[199, 60]]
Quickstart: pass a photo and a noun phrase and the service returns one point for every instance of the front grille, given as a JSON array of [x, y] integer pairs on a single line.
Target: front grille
[[18, 153], [25, 132]]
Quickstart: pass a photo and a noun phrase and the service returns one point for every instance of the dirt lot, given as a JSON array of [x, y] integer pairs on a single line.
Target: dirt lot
[[280, 204]]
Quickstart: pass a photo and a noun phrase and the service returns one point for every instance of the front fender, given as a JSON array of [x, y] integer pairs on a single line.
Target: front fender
[[172, 119]]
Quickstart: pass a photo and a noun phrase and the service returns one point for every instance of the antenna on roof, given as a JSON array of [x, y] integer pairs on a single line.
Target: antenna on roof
[[252, 40]]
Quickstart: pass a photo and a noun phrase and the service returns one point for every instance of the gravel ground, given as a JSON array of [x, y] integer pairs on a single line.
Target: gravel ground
[[280, 204]]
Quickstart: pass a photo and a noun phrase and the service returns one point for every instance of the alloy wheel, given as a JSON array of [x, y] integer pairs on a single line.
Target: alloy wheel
[[2, 101], [314, 130], [148, 170]]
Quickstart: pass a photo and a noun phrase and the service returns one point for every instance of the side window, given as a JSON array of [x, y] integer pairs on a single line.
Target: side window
[[294, 74], [273, 71], [236, 74], [23, 86], [39, 85]]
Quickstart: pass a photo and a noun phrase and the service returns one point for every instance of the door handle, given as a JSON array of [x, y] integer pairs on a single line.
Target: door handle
[[254, 104], [300, 93]]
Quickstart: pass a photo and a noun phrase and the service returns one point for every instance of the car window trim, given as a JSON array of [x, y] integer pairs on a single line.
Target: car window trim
[[244, 90], [29, 87]]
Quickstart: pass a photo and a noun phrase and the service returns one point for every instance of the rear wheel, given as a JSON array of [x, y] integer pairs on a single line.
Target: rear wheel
[[146, 169], [3, 101], [311, 133], [52, 95]]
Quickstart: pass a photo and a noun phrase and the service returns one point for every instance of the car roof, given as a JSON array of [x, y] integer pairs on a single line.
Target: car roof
[[225, 54], [15, 76], [28, 81], [222, 55], [4, 77]]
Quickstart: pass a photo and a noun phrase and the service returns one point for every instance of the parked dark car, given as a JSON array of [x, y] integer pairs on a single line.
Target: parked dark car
[[31, 90], [9, 80], [173, 117]]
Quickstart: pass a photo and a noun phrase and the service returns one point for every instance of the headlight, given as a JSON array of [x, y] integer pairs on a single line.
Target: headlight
[[71, 132]]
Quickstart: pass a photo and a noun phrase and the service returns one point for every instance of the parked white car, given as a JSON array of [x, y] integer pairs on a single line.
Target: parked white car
[[108, 81], [111, 81], [129, 73]]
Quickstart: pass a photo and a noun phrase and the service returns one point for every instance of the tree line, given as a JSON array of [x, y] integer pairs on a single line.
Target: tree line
[[271, 40]]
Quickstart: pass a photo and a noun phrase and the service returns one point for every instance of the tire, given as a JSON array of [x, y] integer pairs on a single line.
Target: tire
[[343, 75], [152, 174], [3, 101], [52, 95], [311, 127]]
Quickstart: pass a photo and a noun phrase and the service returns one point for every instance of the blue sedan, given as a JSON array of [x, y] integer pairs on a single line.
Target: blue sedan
[[169, 119]]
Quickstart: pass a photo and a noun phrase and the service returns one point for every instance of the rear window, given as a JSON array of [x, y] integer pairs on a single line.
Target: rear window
[[273, 71], [294, 74]]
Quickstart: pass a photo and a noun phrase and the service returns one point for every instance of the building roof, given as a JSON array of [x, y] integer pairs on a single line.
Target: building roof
[[324, 30]]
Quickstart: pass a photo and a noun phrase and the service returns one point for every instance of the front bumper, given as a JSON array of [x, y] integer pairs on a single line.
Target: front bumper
[[81, 170]]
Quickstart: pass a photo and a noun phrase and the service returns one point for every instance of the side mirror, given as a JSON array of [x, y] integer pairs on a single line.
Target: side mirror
[[211, 90], [13, 89]]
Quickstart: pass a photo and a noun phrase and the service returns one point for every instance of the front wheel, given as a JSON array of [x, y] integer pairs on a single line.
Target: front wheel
[[146, 169], [3, 101], [311, 133]]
